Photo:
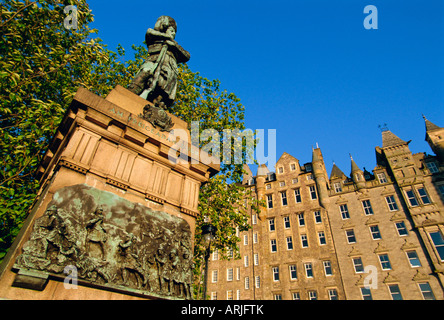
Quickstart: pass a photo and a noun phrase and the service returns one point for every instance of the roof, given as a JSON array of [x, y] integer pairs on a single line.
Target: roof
[[354, 166], [430, 126], [336, 172], [262, 170], [389, 139]]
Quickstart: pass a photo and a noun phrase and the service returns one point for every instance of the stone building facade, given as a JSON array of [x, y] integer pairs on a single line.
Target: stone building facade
[[372, 235]]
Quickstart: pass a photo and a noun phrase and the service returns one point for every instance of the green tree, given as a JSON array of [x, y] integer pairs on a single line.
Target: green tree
[[42, 64]]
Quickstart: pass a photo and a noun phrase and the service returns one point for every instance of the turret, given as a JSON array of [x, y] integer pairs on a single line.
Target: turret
[[321, 177], [435, 138], [357, 175], [261, 176]]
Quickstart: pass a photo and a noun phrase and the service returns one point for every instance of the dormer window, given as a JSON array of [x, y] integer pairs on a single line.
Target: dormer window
[[308, 168], [338, 187], [381, 177], [433, 168]]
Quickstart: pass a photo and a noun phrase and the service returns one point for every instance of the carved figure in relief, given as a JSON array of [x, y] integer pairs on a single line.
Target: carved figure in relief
[[96, 233]]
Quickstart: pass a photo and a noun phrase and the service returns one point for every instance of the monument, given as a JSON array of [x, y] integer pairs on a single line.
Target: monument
[[115, 215]]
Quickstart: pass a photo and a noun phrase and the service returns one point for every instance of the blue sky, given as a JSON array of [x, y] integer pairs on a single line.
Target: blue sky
[[308, 68]]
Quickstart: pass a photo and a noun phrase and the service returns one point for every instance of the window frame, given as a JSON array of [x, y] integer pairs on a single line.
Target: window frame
[[367, 206], [343, 209]]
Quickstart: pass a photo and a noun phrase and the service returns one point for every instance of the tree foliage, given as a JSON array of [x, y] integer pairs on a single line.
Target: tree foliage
[[42, 64]]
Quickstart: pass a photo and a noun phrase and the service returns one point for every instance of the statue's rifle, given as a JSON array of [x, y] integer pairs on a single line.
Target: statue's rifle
[[156, 73]]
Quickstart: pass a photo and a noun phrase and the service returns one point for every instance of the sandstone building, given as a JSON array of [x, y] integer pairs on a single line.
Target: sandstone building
[[370, 235]]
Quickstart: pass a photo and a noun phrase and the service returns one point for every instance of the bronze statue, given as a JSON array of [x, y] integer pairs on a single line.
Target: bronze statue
[[157, 78]]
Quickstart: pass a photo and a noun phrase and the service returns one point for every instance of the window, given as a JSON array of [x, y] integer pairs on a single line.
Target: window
[[318, 218], [385, 262], [297, 195], [327, 268], [321, 236], [413, 259], [295, 180], [350, 236], [423, 195], [374, 230], [304, 240], [332, 294], [395, 292], [284, 198], [338, 187], [215, 255], [289, 243], [438, 241], [275, 273], [287, 222], [313, 193], [308, 167], [426, 291], [237, 294], [246, 262], [255, 239], [301, 219], [245, 239], [357, 263], [292, 166], [257, 281], [391, 203], [254, 219], [433, 168], [278, 296], [214, 276], [268, 186], [230, 274], [402, 230], [270, 201], [312, 295], [273, 245], [213, 295], [381, 177], [282, 184], [344, 211], [412, 198], [238, 273], [308, 270], [367, 207], [256, 259], [271, 224], [281, 170], [230, 253], [230, 295], [296, 296], [247, 283], [293, 272], [366, 294]]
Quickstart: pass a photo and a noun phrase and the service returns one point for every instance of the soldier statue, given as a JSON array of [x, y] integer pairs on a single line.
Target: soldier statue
[[157, 78]]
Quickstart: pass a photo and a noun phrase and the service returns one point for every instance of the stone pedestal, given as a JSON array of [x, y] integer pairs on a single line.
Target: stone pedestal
[[113, 212]]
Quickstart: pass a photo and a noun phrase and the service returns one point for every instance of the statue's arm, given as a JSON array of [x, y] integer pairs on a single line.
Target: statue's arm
[[183, 55], [152, 35]]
